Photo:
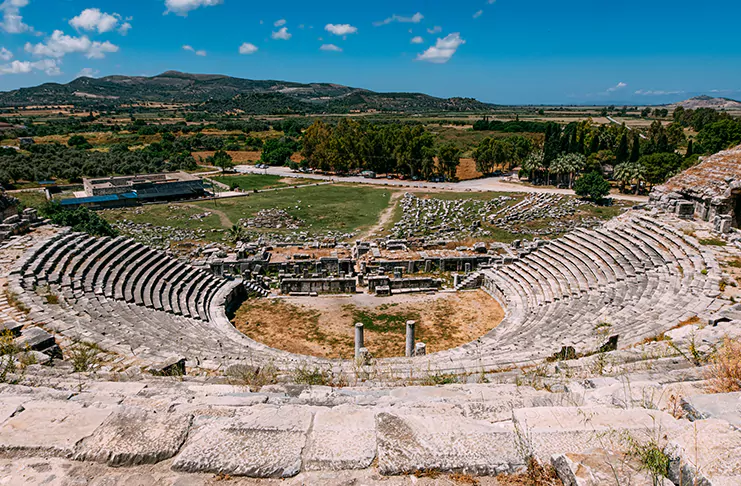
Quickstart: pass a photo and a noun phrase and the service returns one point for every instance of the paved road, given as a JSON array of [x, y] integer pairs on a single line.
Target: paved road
[[490, 184]]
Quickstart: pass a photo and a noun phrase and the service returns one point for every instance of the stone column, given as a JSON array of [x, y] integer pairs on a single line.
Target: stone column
[[420, 349], [358, 339], [409, 350]]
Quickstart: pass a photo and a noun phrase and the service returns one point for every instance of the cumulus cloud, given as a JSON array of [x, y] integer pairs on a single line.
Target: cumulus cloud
[[443, 49], [92, 19], [282, 34], [340, 29], [617, 87], [5, 54], [60, 44], [12, 21], [414, 19], [247, 48], [49, 66], [280, 23], [330, 47], [434, 30], [200, 52], [478, 14], [182, 7], [417, 40], [88, 73]]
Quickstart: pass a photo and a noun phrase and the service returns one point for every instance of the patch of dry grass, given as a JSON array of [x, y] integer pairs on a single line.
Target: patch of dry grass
[[724, 372]]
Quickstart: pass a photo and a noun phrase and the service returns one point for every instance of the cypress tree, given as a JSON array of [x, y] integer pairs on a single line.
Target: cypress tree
[[635, 151]]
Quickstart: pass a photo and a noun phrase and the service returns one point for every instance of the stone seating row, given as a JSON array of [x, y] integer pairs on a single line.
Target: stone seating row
[[121, 269]]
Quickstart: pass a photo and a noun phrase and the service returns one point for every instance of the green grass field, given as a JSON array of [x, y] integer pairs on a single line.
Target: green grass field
[[343, 208], [30, 199]]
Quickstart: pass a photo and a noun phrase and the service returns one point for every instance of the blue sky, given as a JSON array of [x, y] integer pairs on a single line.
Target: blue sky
[[502, 51]]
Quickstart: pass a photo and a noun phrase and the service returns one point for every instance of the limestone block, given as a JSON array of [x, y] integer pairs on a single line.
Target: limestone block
[[50, 428], [408, 443], [724, 406], [341, 438], [35, 338], [133, 436], [264, 443], [706, 453], [602, 468], [547, 431]]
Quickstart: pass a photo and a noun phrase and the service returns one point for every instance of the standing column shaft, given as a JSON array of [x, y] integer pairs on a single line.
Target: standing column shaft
[[409, 349], [358, 339]]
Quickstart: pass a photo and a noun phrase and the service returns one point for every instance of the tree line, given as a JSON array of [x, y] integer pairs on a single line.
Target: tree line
[[351, 145]]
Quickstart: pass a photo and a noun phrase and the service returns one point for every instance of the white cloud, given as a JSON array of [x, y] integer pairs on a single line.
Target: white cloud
[[282, 34], [330, 47], [49, 66], [414, 19], [417, 40], [340, 29], [124, 29], [478, 14], [247, 48], [436, 29], [280, 23], [617, 87], [12, 22], [93, 19], [443, 49], [88, 73], [201, 52], [5, 54], [60, 44], [182, 7], [642, 92]]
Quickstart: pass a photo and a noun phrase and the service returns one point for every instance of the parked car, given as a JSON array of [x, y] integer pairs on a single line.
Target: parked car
[[368, 174]]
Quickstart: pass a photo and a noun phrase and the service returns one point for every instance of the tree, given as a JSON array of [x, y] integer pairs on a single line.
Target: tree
[[222, 160], [80, 219], [629, 172], [660, 166], [635, 148], [719, 135], [448, 159], [78, 141], [277, 151], [569, 164], [592, 186], [534, 165], [621, 154], [490, 153]]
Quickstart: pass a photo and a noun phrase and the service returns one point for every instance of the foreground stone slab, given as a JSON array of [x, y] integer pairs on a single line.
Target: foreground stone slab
[[706, 453], [548, 431], [602, 468], [341, 438], [724, 406], [133, 436], [263, 443], [50, 428], [411, 443]]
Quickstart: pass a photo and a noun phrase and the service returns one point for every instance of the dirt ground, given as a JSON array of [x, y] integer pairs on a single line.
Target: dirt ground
[[467, 170], [324, 326]]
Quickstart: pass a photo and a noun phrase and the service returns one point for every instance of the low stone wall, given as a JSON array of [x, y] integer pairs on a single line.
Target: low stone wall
[[403, 283], [318, 285]]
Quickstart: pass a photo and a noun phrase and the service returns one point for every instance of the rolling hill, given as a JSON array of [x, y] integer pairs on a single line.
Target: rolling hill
[[224, 93], [709, 102]]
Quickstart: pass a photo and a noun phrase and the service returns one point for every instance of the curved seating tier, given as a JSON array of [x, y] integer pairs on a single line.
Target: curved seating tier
[[635, 277]]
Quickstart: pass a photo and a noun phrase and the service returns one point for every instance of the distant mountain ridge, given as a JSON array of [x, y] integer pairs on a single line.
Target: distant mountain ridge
[[705, 101], [224, 93]]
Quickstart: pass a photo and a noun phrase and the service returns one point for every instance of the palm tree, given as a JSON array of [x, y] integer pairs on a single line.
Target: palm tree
[[534, 164], [627, 172], [569, 164]]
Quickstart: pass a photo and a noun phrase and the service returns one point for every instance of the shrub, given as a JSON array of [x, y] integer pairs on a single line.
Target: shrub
[[80, 219], [254, 377], [592, 186], [84, 356]]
